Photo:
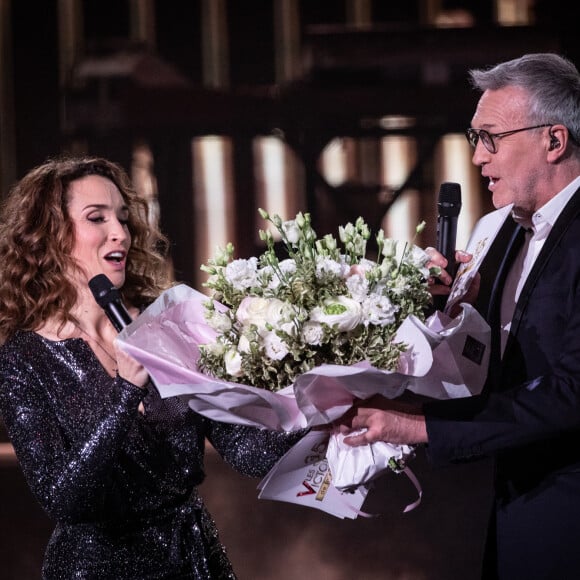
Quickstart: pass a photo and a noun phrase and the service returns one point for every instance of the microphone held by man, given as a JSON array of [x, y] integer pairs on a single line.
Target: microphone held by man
[[448, 208]]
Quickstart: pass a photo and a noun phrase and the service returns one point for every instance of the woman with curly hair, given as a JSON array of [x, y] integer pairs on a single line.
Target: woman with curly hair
[[112, 463]]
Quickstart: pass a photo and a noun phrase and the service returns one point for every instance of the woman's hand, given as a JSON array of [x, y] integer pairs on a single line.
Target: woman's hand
[[129, 369]]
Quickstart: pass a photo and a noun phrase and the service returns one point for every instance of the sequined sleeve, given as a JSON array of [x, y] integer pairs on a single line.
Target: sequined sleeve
[[251, 451], [66, 474]]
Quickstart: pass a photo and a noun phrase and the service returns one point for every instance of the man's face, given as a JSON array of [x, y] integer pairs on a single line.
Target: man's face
[[519, 164]]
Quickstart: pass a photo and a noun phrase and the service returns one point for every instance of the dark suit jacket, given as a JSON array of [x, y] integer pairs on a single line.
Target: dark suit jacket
[[530, 419]]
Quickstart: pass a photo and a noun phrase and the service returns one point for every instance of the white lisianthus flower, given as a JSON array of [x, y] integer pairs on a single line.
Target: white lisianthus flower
[[341, 312], [219, 321], [358, 286], [287, 268], [312, 333], [233, 363], [326, 266], [419, 257], [378, 310], [390, 248], [216, 348], [244, 345], [274, 347], [291, 230], [242, 274]]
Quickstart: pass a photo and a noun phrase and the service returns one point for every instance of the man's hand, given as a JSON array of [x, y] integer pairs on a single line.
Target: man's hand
[[384, 419]]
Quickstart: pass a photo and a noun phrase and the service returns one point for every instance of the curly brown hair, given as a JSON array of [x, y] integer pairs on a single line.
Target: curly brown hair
[[37, 237]]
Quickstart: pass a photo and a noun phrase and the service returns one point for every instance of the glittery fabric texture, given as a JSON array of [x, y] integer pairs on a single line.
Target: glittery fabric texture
[[120, 484]]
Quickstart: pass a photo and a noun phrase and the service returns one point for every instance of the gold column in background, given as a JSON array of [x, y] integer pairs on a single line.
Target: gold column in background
[[288, 65], [358, 12], [70, 48], [143, 30], [7, 129], [399, 154], [214, 194], [337, 161], [142, 17], [144, 180], [215, 46], [279, 178], [213, 178], [278, 175], [514, 12], [70, 37], [453, 163], [365, 152]]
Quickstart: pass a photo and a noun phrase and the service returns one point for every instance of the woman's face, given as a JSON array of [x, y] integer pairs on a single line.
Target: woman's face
[[101, 237]]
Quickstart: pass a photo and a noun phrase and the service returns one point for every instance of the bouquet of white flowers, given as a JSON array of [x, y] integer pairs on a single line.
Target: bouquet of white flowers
[[294, 342], [320, 305]]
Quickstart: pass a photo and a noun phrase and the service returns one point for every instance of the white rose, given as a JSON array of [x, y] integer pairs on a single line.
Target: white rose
[[242, 274], [264, 311], [253, 310], [341, 312], [281, 315], [233, 363]]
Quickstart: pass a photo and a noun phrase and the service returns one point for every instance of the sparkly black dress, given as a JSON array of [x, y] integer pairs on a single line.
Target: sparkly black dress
[[120, 484]]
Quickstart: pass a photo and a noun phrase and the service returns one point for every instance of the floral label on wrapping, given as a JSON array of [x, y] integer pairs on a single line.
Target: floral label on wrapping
[[303, 477], [318, 478]]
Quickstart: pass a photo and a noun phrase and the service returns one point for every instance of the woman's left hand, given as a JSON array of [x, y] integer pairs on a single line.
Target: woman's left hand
[[129, 369]]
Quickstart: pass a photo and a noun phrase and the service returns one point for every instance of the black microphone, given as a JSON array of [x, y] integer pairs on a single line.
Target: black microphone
[[448, 205], [109, 299]]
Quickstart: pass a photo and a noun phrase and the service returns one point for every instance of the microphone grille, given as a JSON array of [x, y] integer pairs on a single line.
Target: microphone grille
[[103, 290], [449, 202], [450, 192]]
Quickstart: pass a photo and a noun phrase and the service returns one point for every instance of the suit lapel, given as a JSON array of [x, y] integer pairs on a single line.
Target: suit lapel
[[564, 221], [491, 263]]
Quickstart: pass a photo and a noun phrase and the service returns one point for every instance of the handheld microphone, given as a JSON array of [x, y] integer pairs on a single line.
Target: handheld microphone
[[109, 299], [449, 204]]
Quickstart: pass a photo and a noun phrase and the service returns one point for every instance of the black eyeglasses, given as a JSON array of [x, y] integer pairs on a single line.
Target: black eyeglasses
[[487, 138]]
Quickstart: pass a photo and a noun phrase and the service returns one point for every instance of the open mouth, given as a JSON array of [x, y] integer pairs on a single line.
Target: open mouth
[[116, 257]]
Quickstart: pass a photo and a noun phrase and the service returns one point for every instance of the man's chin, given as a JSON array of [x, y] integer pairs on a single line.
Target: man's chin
[[500, 200]]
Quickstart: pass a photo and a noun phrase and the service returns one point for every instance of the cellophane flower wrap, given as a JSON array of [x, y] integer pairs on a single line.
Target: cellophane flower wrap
[[322, 304]]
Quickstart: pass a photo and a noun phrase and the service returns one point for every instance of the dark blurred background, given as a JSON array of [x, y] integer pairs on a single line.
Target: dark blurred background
[[217, 107]]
